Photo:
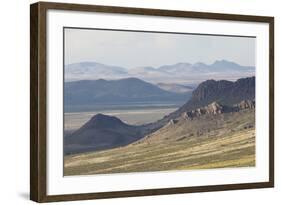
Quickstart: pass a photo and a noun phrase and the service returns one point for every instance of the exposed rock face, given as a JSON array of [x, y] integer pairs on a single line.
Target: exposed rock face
[[223, 92], [246, 104], [227, 91], [210, 88], [172, 122], [215, 108]]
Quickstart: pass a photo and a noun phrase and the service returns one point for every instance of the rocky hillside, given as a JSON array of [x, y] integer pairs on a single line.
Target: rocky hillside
[[224, 92], [212, 120]]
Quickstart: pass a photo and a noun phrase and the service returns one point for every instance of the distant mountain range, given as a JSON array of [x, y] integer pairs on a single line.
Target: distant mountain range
[[209, 98], [92, 70], [180, 72], [129, 90]]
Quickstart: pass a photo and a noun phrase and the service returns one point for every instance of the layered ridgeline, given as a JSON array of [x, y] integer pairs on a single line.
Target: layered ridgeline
[[179, 72], [85, 94], [215, 100]]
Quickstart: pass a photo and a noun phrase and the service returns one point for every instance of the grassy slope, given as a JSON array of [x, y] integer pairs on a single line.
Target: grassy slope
[[233, 145]]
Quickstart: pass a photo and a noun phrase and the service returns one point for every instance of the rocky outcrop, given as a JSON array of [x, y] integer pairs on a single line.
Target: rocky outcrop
[[246, 104], [215, 109]]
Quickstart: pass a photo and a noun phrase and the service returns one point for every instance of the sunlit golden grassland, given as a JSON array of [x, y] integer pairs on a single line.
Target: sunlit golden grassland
[[235, 149]]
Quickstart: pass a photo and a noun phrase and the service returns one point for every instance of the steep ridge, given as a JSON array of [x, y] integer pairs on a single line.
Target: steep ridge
[[223, 92]]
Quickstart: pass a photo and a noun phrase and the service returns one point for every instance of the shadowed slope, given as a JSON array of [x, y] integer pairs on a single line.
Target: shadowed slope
[[101, 132]]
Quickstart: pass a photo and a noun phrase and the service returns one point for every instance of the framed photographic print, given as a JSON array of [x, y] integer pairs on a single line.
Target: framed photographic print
[[135, 102]]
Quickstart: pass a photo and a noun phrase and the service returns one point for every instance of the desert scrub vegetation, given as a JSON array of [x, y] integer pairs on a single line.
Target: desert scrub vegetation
[[234, 149]]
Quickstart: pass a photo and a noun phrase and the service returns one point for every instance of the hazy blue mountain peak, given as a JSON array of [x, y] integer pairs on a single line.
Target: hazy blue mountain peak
[[181, 72]]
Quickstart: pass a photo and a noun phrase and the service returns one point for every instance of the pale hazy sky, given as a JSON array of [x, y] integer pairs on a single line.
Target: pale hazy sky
[[137, 49]]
